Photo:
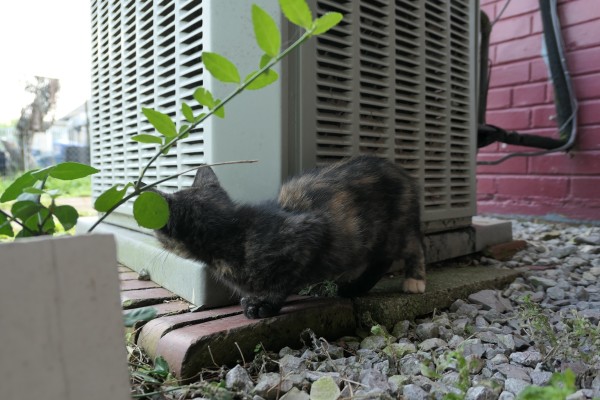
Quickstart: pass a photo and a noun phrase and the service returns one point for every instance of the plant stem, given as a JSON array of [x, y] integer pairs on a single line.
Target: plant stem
[[13, 219], [154, 184], [227, 99], [138, 190], [39, 200], [42, 223]]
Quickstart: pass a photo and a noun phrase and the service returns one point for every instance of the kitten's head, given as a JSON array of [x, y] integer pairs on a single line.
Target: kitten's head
[[193, 214]]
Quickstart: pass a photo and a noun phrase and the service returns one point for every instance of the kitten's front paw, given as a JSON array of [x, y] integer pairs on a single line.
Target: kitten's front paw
[[412, 285], [255, 308]]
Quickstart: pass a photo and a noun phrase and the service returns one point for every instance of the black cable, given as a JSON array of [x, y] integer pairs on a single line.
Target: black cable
[[485, 30], [554, 43]]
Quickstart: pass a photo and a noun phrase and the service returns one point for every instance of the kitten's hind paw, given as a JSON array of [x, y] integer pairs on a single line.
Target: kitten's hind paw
[[412, 285], [255, 308]]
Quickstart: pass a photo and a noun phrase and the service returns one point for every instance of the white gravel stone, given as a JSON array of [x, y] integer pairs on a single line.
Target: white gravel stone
[[527, 358], [480, 393], [506, 396], [414, 392], [515, 386]]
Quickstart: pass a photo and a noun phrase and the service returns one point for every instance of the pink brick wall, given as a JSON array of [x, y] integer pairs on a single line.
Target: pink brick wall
[[520, 98]]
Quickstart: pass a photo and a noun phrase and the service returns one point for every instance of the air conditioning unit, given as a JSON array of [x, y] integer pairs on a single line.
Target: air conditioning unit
[[395, 78]]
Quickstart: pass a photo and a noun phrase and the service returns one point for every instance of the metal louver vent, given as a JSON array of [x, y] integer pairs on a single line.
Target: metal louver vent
[[394, 78], [145, 54], [397, 79]]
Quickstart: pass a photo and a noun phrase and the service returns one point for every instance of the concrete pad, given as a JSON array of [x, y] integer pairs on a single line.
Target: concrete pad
[[387, 304]]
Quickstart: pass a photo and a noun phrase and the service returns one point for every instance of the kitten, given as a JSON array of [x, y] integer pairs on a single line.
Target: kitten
[[349, 222]]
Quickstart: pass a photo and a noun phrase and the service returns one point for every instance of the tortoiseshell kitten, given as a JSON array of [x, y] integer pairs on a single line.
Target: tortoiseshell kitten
[[347, 222]]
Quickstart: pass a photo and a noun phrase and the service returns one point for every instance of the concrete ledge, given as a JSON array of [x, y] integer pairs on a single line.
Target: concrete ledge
[[187, 279], [387, 304]]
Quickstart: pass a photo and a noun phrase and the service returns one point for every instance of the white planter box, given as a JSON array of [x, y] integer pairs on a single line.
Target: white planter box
[[61, 325]]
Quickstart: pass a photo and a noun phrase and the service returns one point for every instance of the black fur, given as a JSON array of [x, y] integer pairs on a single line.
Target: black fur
[[348, 222]]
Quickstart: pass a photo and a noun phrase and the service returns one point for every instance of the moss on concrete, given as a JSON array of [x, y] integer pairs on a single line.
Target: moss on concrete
[[387, 305]]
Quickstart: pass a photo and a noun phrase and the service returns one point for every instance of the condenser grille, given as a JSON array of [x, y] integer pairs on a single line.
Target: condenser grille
[[334, 88], [394, 80], [145, 54]]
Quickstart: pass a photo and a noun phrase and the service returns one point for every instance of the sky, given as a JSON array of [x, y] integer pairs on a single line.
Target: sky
[[48, 38]]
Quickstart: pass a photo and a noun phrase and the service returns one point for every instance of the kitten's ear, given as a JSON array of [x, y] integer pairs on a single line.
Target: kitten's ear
[[166, 196], [205, 176]]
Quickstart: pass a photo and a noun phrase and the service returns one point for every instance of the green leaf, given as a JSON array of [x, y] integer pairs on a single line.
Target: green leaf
[[182, 129], [35, 197], [16, 188], [297, 12], [188, 113], [266, 31], [220, 67], [221, 111], [33, 190], [144, 138], [199, 117], [5, 226], [110, 198], [41, 174], [265, 79], [151, 210], [161, 122], [43, 215], [161, 367], [326, 22], [204, 97], [69, 171], [139, 314], [67, 216], [25, 209], [264, 60]]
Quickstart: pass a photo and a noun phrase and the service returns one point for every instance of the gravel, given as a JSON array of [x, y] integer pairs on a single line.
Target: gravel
[[505, 351]]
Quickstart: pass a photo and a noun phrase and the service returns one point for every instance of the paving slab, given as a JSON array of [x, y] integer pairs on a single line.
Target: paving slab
[[387, 305]]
